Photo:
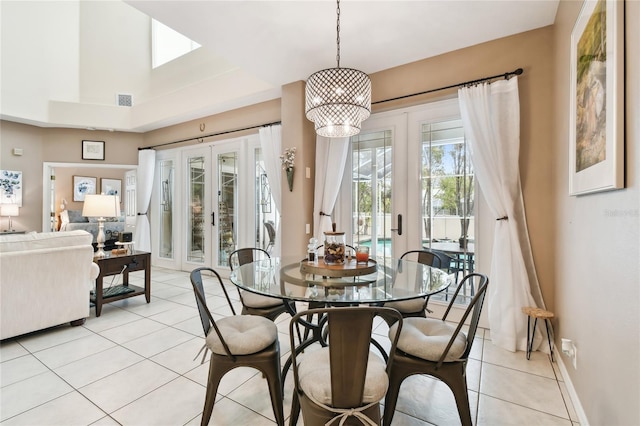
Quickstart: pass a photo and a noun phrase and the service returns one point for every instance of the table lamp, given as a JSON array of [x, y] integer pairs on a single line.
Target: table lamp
[[9, 210], [101, 206]]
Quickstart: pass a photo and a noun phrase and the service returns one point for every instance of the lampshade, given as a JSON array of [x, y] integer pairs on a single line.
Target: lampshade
[[337, 100], [101, 206], [9, 210]]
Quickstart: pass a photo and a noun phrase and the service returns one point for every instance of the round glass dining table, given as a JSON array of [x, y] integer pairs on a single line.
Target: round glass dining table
[[294, 280], [299, 280]]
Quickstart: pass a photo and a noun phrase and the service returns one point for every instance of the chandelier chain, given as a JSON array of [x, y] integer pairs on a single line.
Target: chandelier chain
[[338, 33]]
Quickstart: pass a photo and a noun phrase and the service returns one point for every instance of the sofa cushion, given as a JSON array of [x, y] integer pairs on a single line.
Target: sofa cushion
[[43, 240]]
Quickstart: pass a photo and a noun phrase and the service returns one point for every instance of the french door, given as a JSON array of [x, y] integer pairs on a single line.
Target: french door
[[211, 212], [373, 187], [409, 185], [206, 204]]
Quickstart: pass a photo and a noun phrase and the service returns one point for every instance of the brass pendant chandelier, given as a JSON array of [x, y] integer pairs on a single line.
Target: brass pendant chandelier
[[338, 99]]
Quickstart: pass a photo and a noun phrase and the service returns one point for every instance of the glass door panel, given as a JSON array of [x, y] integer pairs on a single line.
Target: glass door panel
[[196, 247], [227, 165], [371, 191], [448, 195], [266, 215], [166, 170]]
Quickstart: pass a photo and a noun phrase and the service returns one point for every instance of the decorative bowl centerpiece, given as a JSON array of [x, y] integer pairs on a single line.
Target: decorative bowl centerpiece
[[334, 248]]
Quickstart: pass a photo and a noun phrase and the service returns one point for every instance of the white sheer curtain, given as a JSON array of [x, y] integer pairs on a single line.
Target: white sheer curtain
[[144, 186], [331, 157], [271, 144], [491, 120]]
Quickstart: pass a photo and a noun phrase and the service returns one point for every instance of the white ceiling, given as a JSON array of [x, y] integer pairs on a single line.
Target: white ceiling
[[267, 44], [285, 41]]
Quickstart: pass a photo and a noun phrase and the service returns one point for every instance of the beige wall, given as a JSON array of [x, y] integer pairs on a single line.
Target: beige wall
[[29, 139], [597, 278], [56, 145]]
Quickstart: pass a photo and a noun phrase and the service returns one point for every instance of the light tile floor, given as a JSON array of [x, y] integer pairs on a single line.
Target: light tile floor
[[134, 365]]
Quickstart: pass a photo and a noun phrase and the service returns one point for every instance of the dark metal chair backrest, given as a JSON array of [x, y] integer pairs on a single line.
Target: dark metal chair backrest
[[243, 256], [474, 309], [428, 257], [205, 315], [349, 345]]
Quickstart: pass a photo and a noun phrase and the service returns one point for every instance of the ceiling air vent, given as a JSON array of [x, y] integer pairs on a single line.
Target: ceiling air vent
[[124, 100]]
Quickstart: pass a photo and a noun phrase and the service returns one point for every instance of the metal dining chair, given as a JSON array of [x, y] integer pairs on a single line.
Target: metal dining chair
[[417, 307], [237, 341], [437, 348], [344, 381], [252, 303]]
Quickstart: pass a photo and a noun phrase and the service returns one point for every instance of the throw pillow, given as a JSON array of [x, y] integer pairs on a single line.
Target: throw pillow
[[75, 216]]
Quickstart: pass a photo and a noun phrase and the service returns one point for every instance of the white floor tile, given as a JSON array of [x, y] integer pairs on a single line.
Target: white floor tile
[[539, 364], [69, 409], [132, 330], [157, 342], [11, 349], [52, 337], [181, 358], [495, 412], [119, 389], [106, 421], [192, 326], [175, 315], [110, 317], [74, 350], [525, 389], [98, 366], [30, 393], [18, 369], [175, 403]]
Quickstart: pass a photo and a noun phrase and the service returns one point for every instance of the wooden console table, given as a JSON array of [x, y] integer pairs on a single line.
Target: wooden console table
[[122, 264]]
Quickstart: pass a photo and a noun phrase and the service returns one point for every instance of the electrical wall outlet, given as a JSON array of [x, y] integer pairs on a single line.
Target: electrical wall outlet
[[570, 350]]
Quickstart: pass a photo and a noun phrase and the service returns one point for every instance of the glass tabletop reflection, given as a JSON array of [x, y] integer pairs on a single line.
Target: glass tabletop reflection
[[392, 280]]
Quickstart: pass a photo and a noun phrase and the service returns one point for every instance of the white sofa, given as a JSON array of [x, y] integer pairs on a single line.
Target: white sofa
[[45, 280]]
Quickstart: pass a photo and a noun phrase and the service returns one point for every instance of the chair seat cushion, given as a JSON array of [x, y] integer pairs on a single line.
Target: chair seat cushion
[[407, 306], [314, 374], [253, 300], [427, 338], [244, 334]]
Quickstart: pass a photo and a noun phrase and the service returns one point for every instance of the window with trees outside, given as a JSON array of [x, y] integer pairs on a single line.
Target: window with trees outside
[[448, 196]]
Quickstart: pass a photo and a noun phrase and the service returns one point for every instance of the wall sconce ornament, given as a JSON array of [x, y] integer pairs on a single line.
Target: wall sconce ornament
[[288, 159]]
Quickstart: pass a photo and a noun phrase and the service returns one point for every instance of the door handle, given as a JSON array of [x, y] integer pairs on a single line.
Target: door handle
[[399, 228], [213, 218]]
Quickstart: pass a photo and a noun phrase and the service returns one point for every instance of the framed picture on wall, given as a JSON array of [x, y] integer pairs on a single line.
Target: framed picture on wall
[[596, 153], [93, 150], [11, 187], [83, 185], [111, 187]]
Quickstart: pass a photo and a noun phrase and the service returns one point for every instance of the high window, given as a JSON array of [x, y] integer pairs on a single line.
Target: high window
[[168, 44]]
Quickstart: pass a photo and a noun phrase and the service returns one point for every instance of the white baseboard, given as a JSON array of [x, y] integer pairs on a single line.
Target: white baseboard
[[577, 406]]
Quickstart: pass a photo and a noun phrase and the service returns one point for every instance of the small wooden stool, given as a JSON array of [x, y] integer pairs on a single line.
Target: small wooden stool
[[536, 313]]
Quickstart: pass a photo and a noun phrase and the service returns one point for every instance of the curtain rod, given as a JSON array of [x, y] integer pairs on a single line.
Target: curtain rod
[[211, 135], [506, 75], [466, 83]]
